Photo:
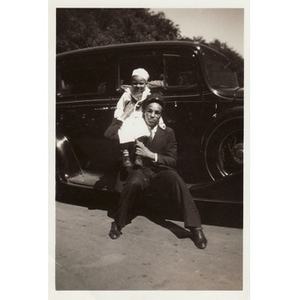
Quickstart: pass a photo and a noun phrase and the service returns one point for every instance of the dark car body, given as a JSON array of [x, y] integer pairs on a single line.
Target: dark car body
[[204, 106]]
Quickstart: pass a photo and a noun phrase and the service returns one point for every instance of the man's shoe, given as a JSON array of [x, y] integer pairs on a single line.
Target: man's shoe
[[115, 231], [199, 238]]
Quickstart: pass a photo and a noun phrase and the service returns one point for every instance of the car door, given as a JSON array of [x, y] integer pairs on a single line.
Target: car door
[[84, 110]]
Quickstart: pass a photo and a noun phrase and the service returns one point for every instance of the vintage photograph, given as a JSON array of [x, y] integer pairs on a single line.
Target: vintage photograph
[[149, 150]]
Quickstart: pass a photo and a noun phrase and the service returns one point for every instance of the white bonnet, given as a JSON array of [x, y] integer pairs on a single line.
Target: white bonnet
[[141, 72]]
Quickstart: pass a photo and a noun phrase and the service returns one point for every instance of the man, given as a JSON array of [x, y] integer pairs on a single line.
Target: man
[[159, 155]]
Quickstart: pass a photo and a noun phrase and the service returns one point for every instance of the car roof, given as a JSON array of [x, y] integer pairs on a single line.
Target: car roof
[[141, 45]]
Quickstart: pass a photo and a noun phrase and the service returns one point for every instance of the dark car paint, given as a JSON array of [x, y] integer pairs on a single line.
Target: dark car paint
[[82, 120]]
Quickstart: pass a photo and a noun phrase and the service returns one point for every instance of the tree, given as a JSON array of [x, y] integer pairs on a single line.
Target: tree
[[78, 28], [82, 28]]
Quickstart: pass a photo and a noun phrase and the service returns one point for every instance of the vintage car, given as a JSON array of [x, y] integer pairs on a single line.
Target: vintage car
[[204, 106]]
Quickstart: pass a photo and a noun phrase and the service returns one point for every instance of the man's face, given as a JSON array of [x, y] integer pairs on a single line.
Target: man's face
[[152, 114], [138, 83]]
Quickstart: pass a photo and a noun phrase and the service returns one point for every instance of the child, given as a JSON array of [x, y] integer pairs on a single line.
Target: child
[[134, 128]]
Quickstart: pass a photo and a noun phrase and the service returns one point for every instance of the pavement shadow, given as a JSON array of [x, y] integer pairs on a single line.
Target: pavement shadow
[[179, 232], [95, 200], [212, 212]]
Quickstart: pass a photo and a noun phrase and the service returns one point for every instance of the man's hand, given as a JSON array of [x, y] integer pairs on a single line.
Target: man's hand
[[143, 151]]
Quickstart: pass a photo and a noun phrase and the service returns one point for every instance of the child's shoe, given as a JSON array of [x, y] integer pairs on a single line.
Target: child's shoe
[[125, 159], [138, 161]]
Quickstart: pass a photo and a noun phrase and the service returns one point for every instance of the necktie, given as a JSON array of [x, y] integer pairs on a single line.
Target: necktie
[[151, 135]]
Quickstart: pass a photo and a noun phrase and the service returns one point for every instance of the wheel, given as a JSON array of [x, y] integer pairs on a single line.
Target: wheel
[[224, 149]]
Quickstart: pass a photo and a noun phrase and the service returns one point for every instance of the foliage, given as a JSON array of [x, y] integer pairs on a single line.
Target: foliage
[[82, 28], [78, 28]]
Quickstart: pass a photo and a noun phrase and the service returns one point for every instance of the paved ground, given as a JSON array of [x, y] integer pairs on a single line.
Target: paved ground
[[148, 256]]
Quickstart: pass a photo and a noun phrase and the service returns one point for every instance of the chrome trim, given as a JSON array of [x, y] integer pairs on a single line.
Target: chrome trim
[[82, 100]]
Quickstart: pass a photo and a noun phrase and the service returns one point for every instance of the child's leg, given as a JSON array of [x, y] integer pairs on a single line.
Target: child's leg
[[125, 149]]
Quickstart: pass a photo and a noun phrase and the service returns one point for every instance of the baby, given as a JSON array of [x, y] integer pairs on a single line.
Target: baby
[[134, 127]]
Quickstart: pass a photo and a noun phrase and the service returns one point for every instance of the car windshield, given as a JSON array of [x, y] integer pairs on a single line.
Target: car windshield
[[220, 73]]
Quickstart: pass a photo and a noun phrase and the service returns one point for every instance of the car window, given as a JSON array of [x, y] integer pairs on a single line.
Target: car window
[[152, 63], [82, 77], [219, 72], [168, 71], [180, 71]]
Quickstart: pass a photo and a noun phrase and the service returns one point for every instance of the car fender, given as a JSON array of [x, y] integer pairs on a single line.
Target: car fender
[[219, 119], [67, 163]]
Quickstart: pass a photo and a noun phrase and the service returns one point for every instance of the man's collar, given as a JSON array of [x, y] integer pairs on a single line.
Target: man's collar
[[154, 129]]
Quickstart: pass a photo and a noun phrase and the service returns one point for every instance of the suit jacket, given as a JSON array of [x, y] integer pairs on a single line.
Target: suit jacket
[[164, 144]]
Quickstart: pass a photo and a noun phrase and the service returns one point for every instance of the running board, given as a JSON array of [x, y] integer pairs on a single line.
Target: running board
[[84, 179]]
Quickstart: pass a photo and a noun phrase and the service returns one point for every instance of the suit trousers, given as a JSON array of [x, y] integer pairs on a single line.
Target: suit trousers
[[165, 184]]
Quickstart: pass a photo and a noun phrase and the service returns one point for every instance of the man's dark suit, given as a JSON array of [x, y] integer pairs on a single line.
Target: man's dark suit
[[160, 176]]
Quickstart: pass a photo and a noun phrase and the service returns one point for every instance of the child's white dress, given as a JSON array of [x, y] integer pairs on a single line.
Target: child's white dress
[[134, 126]]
